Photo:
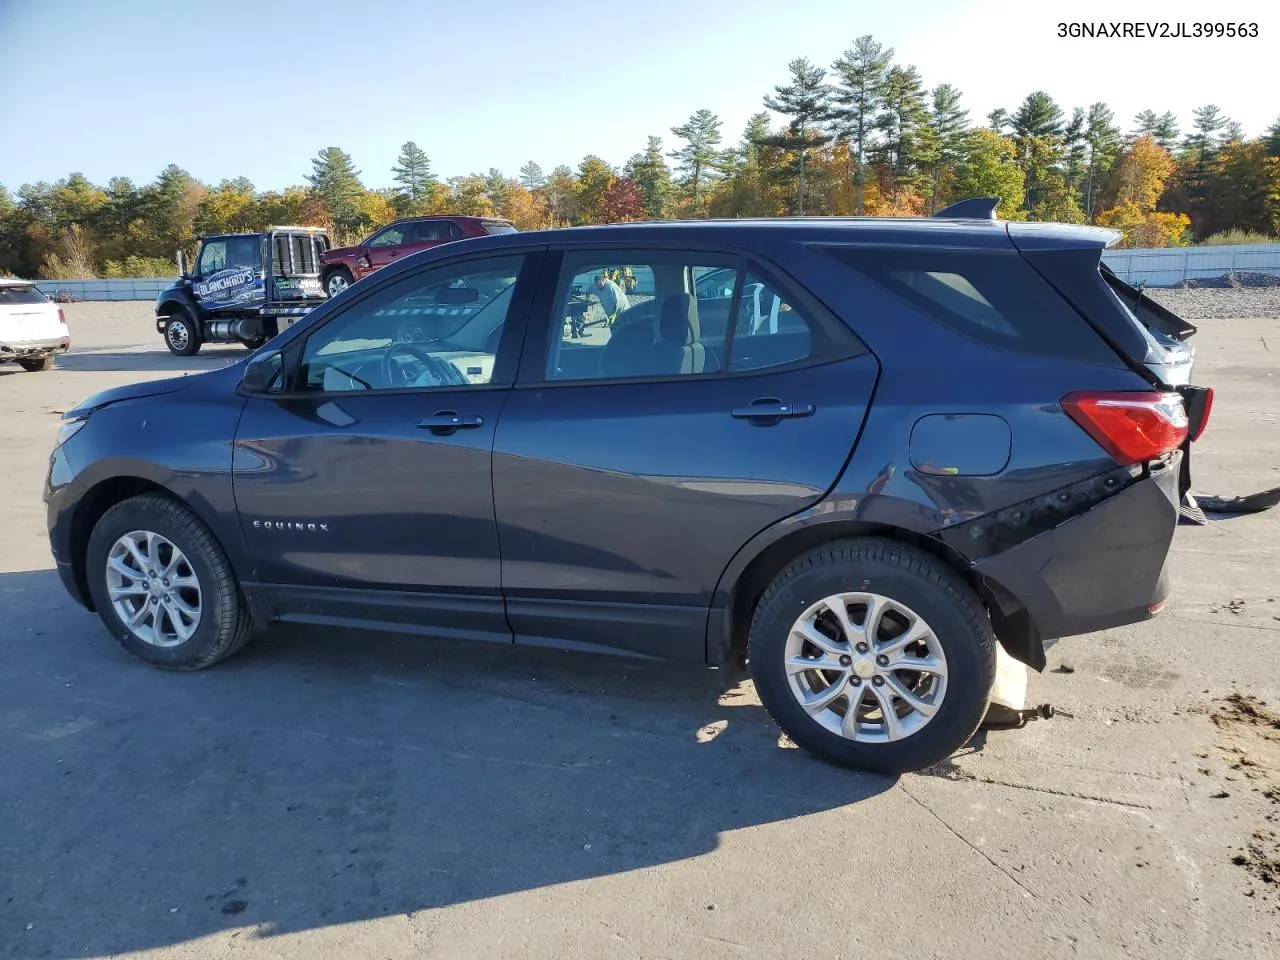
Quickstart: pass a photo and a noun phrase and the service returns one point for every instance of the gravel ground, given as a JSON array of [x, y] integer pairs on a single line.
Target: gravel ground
[[1211, 304]]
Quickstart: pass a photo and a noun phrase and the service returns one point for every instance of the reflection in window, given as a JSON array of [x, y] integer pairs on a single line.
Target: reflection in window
[[439, 328]]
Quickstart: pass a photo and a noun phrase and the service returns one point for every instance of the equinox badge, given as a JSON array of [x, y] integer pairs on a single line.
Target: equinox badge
[[290, 525]]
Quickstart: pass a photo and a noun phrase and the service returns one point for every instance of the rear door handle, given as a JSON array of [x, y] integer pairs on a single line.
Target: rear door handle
[[769, 410], [447, 421]]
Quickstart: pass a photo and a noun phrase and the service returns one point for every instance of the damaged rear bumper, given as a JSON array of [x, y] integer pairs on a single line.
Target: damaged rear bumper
[[1103, 568]]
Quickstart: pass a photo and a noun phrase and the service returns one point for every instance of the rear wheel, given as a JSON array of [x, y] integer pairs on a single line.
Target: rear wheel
[[873, 654], [38, 364], [337, 281], [163, 586], [181, 335]]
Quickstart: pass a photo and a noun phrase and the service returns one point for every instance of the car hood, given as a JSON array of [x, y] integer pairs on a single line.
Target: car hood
[[339, 253], [129, 391]]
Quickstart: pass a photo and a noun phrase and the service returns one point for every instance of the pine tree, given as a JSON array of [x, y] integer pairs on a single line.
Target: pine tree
[[905, 117], [858, 101], [1205, 139], [649, 171], [806, 102], [1037, 133], [1273, 139], [949, 125], [1166, 132], [1234, 132], [1076, 152], [413, 172], [495, 187], [531, 176], [697, 158], [998, 120], [1037, 116], [335, 181], [1102, 145]]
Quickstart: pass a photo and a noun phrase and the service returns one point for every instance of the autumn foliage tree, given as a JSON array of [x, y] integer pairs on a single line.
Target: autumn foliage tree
[[1140, 180]]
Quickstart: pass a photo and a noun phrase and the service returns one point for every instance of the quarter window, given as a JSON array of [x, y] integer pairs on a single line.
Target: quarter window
[[438, 328], [991, 296], [768, 331]]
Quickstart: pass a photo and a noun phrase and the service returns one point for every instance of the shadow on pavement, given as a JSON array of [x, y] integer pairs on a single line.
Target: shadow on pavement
[[321, 778]]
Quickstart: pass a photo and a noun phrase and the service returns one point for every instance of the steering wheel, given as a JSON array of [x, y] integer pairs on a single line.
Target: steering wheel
[[443, 371]]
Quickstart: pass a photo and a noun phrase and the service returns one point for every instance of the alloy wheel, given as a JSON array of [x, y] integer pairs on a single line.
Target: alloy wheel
[[153, 589], [866, 667]]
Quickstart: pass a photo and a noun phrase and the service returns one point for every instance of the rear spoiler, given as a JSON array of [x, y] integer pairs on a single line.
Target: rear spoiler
[[1149, 312]]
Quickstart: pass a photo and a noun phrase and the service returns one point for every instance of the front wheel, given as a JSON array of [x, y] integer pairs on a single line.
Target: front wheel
[[338, 281], [37, 365], [873, 654], [181, 334], [163, 586]]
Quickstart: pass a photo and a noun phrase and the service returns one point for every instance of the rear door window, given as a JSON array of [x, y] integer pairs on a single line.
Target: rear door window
[[991, 296]]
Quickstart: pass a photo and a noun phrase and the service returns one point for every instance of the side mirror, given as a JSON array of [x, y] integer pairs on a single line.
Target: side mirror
[[264, 373], [182, 265]]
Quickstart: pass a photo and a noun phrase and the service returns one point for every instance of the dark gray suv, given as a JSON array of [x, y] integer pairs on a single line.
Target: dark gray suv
[[852, 455]]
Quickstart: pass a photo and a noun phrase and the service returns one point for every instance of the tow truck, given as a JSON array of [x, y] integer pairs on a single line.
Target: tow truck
[[245, 288]]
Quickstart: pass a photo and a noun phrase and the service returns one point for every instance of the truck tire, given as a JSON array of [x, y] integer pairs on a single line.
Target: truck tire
[[337, 281], [163, 586], [873, 654], [37, 365], [181, 333]]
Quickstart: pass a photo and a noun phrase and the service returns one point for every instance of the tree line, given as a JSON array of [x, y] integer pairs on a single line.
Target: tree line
[[862, 137]]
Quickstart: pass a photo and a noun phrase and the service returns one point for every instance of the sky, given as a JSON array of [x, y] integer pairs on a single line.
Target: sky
[[256, 89]]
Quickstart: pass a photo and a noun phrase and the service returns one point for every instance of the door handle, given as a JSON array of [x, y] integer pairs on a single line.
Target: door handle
[[447, 421], [767, 411]]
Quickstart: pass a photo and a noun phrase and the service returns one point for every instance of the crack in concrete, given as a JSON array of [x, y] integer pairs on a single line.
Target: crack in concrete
[[967, 842], [955, 774]]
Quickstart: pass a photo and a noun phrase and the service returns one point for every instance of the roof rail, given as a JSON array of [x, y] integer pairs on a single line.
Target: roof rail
[[975, 208]]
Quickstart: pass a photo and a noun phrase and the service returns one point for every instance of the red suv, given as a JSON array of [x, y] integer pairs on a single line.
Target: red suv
[[345, 265]]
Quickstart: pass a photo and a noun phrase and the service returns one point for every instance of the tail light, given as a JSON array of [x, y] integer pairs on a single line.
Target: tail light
[[1132, 427], [62, 317]]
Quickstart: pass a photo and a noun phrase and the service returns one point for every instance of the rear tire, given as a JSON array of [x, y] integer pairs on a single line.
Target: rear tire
[[188, 615], [913, 595], [37, 366], [181, 333], [337, 281]]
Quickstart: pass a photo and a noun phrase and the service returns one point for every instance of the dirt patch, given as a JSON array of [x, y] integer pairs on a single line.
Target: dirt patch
[[1250, 744]]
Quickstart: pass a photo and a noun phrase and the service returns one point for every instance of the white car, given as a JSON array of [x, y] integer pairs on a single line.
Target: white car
[[33, 329]]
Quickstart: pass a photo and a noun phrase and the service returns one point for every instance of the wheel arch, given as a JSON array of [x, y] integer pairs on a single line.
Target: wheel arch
[[105, 494], [727, 639]]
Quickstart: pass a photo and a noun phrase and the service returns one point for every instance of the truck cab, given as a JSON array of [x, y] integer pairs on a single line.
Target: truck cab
[[243, 288]]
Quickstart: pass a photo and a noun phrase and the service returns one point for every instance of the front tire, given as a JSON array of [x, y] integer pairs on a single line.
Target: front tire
[[38, 365], [338, 281], [873, 654], [181, 334], [163, 586]]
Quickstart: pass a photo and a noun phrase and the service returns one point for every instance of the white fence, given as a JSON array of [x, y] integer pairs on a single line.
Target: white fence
[[1169, 266], [129, 288]]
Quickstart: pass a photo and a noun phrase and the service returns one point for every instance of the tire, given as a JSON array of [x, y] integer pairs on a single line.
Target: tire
[[223, 624], [37, 366], [920, 593], [253, 344], [181, 333], [337, 281]]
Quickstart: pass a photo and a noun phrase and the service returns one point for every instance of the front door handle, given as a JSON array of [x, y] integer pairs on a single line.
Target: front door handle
[[447, 421], [767, 411]]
